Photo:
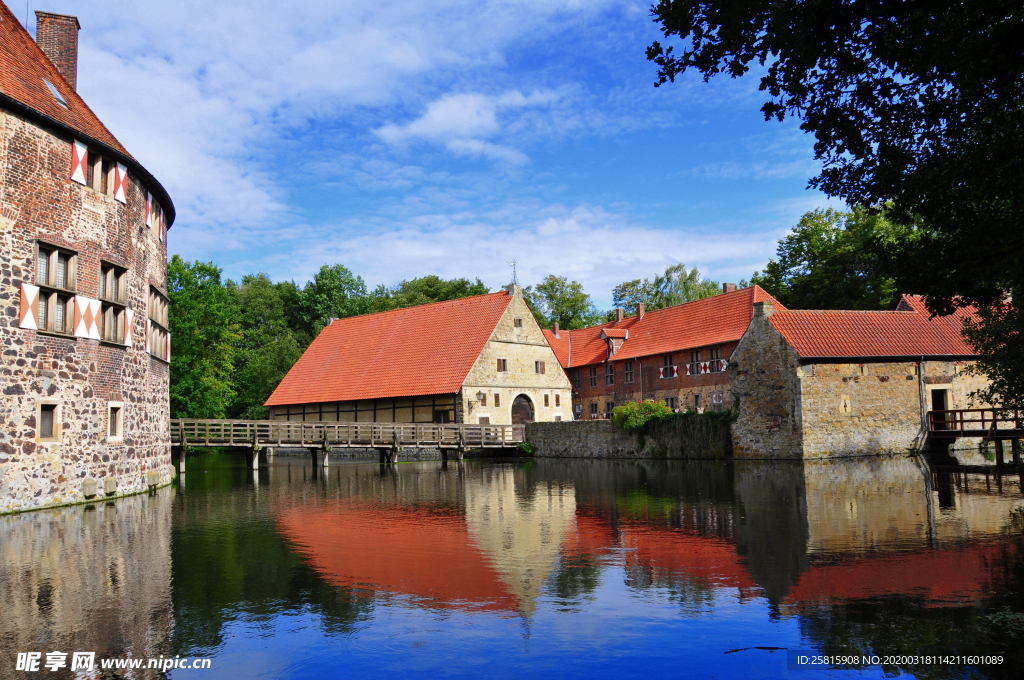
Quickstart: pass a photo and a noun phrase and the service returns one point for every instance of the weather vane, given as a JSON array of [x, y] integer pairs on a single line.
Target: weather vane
[[515, 279]]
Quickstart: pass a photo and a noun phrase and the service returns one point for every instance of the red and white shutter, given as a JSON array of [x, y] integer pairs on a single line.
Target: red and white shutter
[[79, 157], [687, 369], [120, 182], [704, 367], [129, 316], [87, 318], [661, 371], [722, 365], [168, 336], [149, 327], [149, 209], [675, 371], [29, 306]]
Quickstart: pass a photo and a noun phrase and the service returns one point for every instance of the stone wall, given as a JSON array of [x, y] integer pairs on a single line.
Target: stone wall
[[521, 347], [693, 438], [81, 376], [763, 373]]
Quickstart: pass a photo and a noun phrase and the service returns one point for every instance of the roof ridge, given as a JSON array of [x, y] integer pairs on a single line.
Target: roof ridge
[[425, 304], [844, 311]]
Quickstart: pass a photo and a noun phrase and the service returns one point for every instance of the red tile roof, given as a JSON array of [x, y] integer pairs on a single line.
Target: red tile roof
[[23, 68], [710, 321], [421, 350], [826, 333]]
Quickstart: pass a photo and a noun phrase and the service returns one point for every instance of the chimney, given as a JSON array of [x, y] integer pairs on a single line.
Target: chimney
[[763, 309], [619, 313], [57, 37], [728, 287], [554, 331], [639, 311]]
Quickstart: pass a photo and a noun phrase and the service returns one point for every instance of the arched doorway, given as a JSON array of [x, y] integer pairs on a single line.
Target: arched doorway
[[522, 410]]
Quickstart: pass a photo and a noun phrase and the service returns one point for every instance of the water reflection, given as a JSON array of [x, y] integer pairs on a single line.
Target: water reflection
[[93, 578], [509, 568]]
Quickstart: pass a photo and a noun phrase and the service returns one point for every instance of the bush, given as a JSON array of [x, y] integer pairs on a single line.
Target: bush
[[633, 416], [525, 449]]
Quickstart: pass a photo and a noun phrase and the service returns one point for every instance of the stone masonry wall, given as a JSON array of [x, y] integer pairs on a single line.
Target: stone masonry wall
[[679, 438], [39, 201], [521, 347], [765, 379]]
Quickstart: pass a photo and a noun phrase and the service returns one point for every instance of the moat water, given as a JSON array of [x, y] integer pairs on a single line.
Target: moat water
[[528, 568]]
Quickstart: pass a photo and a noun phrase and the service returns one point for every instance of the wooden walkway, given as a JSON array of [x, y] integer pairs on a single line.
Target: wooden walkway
[[988, 424], [321, 437]]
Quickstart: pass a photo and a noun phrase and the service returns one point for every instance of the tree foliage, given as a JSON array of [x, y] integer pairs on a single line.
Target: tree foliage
[[558, 300], [830, 261], [920, 104], [676, 286], [204, 331]]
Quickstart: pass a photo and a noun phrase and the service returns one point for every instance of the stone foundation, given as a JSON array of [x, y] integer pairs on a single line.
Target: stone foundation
[[685, 438]]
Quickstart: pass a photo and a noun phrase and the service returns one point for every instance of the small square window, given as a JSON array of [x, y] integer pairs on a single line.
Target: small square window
[[558, 419], [627, 371], [558, 400], [47, 420], [593, 410], [670, 402], [497, 399], [608, 407], [518, 323], [485, 420], [538, 367], [593, 376], [609, 374], [546, 400], [115, 420], [502, 365], [577, 381]]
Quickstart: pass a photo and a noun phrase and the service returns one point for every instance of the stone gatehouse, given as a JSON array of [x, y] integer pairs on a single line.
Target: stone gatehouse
[[818, 384]]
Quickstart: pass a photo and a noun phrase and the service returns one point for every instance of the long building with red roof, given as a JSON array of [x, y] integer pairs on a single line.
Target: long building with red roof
[[479, 359], [677, 354], [821, 383], [83, 228]]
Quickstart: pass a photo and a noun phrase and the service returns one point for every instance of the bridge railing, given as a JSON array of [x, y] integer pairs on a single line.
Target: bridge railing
[[974, 422], [362, 435]]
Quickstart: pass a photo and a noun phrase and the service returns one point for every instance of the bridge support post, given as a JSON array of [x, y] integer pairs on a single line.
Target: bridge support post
[[181, 458], [325, 450], [252, 458], [999, 453]]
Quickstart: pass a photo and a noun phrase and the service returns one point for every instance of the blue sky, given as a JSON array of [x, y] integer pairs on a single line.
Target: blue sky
[[404, 138]]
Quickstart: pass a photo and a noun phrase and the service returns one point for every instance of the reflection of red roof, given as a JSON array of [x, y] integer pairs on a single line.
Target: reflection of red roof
[[709, 560], [938, 575], [710, 321], [421, 350], [411, 552], [907, 332], [23, 66]]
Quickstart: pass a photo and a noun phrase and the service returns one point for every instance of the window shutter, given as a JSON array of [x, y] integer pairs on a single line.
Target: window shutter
[[149, 326], [687, 369], [542, 367], [661, 371], [120, 180], [29, 300], [149, 209], [129, 315], [87, 318], [79, 157], [675, 371], [499, 366], [168, 348]]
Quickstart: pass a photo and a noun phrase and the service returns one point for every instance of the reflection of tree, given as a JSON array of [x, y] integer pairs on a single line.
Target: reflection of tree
[[575, 578], [227, 558]]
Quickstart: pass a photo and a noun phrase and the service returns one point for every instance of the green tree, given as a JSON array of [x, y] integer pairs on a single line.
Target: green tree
[[674, 287], [266, 349], [558, 300], [917, 103], [830, 261], [204, 331], [424, 290], [334, 293]]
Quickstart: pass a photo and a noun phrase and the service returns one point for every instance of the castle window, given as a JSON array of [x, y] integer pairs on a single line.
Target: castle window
[[48, 418], [717, 403], [159, 338], [695, 363], [670, 402], [497, 399], [546, 400], [502, 365], [115, 420], [538, 367], [518, 323], [628, 371], [113, 293], [593, 377], [485, 420], [609, 406], [713, 361], [55, 276], [609, 374], [483, 399], [558, 400], [593, 410], [577, 380]]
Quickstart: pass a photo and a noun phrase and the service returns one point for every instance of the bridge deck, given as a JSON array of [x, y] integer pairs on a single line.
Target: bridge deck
[[987, 423], [203, 433]]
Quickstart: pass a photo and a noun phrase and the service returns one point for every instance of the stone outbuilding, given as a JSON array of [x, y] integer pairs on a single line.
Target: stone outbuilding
[[676, 354], [817, 384], [83, 266], [476, 360]]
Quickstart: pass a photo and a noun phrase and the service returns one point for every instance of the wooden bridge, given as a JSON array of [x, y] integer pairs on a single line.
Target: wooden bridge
[[989, 424], [320, 437]]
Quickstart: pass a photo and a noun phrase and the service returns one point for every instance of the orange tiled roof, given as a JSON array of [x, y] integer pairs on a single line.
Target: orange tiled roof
[[421, 350], [710, 321], [23, 66], [905, 332]]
